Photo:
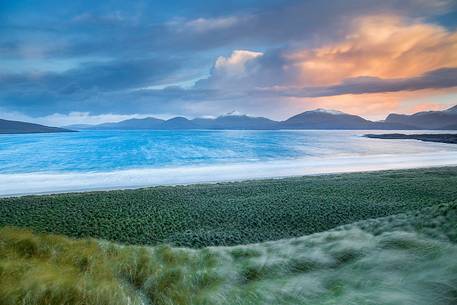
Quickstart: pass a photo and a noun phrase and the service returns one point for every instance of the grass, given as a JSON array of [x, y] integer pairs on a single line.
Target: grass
[[231, 213], [49, 269], [408, 258]]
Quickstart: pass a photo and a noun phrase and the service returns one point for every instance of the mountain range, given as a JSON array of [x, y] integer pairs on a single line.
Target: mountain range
[[427, 119], [314, 119], [7, 127]]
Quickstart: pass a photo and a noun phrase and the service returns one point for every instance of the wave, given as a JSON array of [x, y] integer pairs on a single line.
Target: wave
[[40, 183], [57, 182]]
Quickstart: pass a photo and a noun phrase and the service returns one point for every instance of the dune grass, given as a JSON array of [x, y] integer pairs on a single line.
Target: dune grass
[[408, 259], [383, 238], [50, 269], [231, 213]]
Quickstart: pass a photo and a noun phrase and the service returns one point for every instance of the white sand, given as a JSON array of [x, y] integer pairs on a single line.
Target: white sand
[[45, 183]]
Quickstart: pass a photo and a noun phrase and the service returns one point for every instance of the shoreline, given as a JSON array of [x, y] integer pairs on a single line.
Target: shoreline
[[225, 214], [435, 138], [13, 185]]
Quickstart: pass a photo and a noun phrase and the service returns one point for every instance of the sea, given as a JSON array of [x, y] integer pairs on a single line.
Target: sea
[[121, 159]]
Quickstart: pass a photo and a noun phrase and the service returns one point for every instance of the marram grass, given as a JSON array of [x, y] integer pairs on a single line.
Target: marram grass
[[230, 214], [407, 259]]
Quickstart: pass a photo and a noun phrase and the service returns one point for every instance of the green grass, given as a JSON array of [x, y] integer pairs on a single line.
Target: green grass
[[231, 213], [408, 259]]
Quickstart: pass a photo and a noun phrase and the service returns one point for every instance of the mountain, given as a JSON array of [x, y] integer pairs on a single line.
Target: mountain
[[333, 119], [325, 119], [178, 123], [446, 119], [452, 109], [146, 123], [314, 119], [450, 127], [12, 127], [228, 121], [235, 121]]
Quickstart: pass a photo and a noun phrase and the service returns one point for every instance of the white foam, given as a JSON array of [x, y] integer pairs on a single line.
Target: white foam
[[41, 183]]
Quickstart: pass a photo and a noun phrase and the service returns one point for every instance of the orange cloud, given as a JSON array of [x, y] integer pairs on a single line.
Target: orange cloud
[[380, 46], [428, 107], [377, 105]]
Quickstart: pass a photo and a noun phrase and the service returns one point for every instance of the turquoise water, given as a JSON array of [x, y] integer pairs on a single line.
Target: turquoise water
[[90, 151], [36, 163]]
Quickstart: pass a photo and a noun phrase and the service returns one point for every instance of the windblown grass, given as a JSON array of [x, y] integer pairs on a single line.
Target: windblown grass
[[231, 213], [408, 259]]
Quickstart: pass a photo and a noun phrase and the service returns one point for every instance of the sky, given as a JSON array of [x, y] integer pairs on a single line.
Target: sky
[[69, 62]]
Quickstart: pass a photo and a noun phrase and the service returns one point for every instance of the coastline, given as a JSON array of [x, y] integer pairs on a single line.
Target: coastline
[[436, 138], [223, 214], [13, 185]]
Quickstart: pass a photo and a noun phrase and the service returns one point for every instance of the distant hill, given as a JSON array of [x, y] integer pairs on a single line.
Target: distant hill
[[452, 109], [325, 119], [13, 127], [314, 119], [178, 123], [231, 121], [332, 119], [450, 127], [446, 119], [146, 123]]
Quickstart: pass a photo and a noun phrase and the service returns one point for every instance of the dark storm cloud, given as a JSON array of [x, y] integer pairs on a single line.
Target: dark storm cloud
[[96, 90], [437, 79], [115, 49], [112, 75], [121, 29], [48, 92]]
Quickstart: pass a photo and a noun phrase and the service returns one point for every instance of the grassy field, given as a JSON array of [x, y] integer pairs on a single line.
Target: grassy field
[[408, 259], [231, 213]]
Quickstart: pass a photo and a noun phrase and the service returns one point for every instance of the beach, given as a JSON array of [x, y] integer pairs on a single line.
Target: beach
[[107, 160], [347, 239]]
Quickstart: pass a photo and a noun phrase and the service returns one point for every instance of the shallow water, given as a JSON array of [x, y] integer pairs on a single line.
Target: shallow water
[[41, 163]]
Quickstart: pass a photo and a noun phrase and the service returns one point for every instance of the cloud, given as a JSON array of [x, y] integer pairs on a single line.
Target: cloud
[[379, 46], [132, 29], [281, 49], [428, 107], [60, 119], [441, 78], [230, 72], [106, 76], [203, 25], [92, 87], [235, 64], [377, 105], [379, 54]]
